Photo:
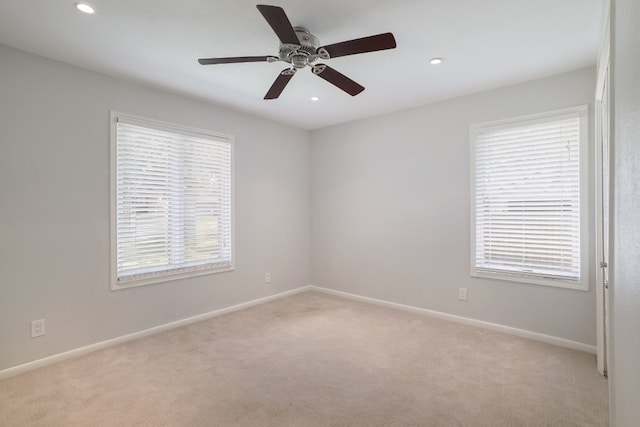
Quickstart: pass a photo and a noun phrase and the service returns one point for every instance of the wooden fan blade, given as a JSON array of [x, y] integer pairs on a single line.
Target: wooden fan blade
[[232, 60], [278, 85], [279, 22], [362, 45], [338, 79]]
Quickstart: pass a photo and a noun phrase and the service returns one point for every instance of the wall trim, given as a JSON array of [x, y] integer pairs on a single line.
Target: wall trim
[[549, 339], [39, 363]]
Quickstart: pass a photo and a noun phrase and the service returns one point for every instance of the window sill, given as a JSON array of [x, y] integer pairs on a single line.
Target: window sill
[[582, 285], [117, 285]]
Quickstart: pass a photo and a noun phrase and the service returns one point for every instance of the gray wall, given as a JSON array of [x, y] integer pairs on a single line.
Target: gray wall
[[54, 214], [625, 269], [390, 205], [390, 209]]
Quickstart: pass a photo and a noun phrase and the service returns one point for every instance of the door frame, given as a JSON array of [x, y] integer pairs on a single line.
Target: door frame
[[603, 83]]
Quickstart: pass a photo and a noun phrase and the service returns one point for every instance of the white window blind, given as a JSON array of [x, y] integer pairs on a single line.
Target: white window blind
[[527, 199], [172, 201]]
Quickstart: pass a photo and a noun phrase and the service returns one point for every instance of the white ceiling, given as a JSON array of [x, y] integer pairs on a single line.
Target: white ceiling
[[485, 44]]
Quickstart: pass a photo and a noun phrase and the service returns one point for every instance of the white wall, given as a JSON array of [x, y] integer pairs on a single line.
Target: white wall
[[54, 214], [390, 206], [624, 373]]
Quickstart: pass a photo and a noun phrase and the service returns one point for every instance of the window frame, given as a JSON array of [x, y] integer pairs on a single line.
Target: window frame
[[159, 277], [582, 111]]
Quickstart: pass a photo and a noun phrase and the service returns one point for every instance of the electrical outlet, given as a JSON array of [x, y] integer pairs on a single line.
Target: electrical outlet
[[462, 294], [267, 277], [37, 328]]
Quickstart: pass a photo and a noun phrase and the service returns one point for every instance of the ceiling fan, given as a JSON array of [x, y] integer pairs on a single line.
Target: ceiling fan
[[300, 48]]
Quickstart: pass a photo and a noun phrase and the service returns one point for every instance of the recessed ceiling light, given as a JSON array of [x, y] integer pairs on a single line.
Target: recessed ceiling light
[[83, 7], [435, 61], [315, 98]]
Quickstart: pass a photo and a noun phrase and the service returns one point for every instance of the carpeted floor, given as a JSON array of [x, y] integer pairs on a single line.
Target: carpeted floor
[[315, 360]]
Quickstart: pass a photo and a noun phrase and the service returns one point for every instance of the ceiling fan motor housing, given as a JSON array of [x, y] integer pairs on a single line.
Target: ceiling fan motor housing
[[303, 54]]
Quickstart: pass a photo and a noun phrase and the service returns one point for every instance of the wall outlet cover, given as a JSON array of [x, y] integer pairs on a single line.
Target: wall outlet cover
[[37, 328]]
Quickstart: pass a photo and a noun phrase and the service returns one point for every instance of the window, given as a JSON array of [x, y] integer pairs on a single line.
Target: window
[[171, 209], [528, 199]]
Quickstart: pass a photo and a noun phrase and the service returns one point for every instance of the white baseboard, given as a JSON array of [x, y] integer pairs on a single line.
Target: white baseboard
[[15, 370], [549, 339], [561, 342]]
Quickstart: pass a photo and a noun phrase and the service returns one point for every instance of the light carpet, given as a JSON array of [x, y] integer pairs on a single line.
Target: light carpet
[[315, 360]]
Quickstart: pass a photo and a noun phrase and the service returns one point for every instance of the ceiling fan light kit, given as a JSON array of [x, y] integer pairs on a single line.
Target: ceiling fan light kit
[[300, 49]]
